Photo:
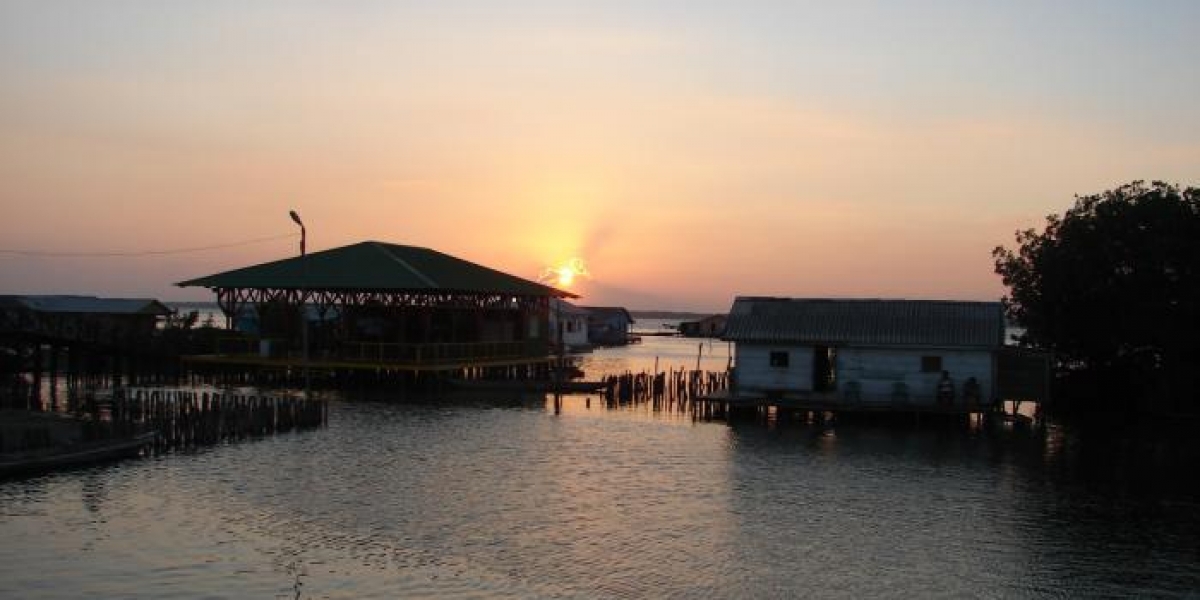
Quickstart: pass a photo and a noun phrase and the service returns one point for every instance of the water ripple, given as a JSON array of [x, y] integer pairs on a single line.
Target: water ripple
[[504, 500]]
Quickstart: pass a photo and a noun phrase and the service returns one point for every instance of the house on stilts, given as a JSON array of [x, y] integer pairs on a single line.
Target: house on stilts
[[381, 306], [609, 325], [862, 355], [712, 326], [569, 324], [91, 335]]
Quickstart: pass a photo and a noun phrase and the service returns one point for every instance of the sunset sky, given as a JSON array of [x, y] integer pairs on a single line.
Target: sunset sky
[[688, 152]]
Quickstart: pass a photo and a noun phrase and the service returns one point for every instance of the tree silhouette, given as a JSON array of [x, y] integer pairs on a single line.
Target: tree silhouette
[[1112, 288]]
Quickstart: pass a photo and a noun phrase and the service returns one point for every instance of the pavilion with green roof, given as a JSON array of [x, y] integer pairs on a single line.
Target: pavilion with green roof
[[375, 304]]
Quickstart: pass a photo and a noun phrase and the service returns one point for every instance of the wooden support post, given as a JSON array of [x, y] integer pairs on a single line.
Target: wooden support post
[[131, 367], [35, 394], [116, 370], [53, 377]]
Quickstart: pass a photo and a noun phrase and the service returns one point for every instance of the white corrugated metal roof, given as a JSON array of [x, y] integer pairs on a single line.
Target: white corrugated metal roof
[[866, 322], [88, 304]]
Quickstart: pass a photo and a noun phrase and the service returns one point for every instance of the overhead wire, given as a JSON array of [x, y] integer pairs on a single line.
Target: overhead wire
[[140, 253]]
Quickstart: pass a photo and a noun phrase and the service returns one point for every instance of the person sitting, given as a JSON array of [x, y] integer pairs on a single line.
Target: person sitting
[[971, 391], [945, 390]]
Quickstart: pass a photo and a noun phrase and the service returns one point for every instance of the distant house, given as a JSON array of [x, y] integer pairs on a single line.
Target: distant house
[[713, 326], [74, 319], [571, 323], [608, 325], [863, 352]]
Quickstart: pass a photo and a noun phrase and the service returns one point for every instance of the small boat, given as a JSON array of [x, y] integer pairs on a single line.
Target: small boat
[[65, 457]]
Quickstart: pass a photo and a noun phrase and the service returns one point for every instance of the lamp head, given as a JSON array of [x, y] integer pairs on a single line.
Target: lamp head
[[296, 218]]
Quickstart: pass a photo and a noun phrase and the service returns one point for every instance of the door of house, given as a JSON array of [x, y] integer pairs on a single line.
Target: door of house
[[824, 370]]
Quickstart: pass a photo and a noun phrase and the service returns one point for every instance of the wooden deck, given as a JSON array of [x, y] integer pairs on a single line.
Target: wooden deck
[[833, 402]]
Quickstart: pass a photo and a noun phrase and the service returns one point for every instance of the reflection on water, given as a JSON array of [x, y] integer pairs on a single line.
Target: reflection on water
[[667, 352], [500, 497]]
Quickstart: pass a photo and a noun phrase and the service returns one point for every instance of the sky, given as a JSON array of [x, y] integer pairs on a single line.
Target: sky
[[687, 152]]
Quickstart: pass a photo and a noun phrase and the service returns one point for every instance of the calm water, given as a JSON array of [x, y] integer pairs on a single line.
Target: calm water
[[505, 498]]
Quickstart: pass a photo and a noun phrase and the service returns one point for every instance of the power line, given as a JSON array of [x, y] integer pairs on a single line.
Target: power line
[[44, 254]]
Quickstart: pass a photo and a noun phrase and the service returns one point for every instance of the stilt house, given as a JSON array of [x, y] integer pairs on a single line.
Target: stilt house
[[380, 305], [569, 323], [711, 326], [608, 325], [114, 322], [866, 352]]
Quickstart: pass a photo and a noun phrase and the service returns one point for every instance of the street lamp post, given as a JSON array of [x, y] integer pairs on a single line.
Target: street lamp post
[[303, 298]]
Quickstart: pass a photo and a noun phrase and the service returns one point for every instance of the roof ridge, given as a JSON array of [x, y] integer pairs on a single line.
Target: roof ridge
[[787, 299], [411, 269]]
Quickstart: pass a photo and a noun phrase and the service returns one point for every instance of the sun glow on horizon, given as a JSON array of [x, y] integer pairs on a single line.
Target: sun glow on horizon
[[565, 274]]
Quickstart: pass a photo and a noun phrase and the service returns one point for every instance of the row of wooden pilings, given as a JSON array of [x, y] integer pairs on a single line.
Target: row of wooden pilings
[[681, 389], [186, 418]]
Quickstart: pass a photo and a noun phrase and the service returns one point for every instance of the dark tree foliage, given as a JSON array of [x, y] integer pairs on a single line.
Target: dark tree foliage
[[1112, 289]]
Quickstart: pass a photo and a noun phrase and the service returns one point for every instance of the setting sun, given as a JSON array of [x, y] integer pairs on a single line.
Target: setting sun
[[566, 273]]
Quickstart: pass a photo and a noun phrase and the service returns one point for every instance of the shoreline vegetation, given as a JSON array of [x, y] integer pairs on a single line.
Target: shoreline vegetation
[[1111, 290]]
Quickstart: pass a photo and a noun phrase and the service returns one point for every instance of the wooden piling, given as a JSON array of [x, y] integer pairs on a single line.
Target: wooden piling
[[188, 418]]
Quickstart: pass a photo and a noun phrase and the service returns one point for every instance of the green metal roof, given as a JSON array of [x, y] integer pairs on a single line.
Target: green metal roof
[[377, 266]]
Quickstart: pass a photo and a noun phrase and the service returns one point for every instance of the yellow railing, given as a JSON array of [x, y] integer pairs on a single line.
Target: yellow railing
[[388, 353], [421, 354]]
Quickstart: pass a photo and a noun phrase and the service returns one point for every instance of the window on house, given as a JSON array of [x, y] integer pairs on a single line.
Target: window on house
[[779, 359], [931, 364]]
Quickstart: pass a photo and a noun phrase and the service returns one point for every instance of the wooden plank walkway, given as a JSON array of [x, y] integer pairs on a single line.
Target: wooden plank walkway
[[833, 403]]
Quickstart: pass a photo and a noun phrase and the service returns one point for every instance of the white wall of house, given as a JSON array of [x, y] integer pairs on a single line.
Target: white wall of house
[[574, 323], [755, 373], [574, 328], [877, 370]]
